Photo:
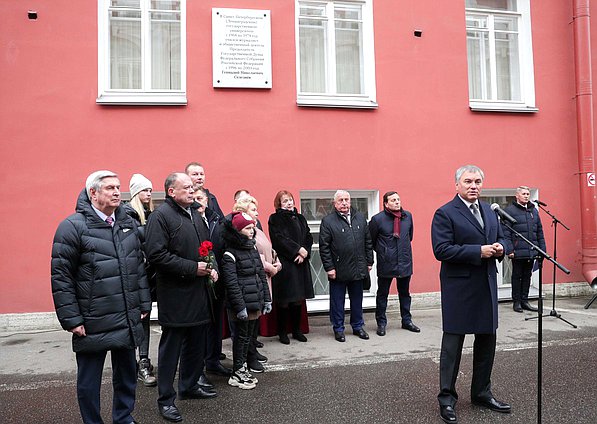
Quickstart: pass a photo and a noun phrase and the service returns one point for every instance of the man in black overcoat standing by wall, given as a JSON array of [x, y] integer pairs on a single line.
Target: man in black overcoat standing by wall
[[174, 234], [347, 256]]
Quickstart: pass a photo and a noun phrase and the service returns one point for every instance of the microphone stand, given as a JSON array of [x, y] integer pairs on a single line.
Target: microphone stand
[[543, 255], [554, 222]]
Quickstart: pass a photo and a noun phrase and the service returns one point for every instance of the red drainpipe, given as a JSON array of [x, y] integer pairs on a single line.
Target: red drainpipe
[[585, 136]]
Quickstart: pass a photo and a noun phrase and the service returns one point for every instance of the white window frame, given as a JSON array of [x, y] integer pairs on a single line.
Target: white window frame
[[368, 100], [525, 52], [108, 96], [321, 303]]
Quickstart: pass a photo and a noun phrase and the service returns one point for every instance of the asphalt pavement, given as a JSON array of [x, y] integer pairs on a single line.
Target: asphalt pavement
[[391, 379]]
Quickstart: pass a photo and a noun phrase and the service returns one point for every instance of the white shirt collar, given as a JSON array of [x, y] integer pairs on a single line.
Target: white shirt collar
[[468, 204], [102, 215]]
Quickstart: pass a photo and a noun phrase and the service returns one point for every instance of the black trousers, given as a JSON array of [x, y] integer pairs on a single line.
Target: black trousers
[[214, 335], [522, 270], [241, 342], [184, 345], [89, 381], [449, 365], [381, 299]]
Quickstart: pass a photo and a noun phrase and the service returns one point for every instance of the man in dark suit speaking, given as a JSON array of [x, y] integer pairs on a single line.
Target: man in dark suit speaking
[[467, 239]]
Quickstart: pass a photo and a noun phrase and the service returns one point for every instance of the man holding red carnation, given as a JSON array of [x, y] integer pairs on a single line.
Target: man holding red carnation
[[176, 238]]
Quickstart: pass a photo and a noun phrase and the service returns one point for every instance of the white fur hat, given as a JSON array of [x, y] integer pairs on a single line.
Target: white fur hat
[[138, 183]]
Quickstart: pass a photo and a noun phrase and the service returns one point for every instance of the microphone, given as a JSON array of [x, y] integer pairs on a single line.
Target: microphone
[[502, 213], [539, 202]]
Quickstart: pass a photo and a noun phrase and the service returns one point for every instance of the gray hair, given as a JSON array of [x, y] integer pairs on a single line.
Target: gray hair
[[340, 193], [94, 180], [522, 187], [469, 168], [171, 180]]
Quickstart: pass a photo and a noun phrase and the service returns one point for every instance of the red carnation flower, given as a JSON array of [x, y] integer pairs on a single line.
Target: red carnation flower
[[203, 251]]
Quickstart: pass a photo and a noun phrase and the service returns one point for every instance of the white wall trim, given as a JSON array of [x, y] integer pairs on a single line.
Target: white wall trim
[[44, 321]]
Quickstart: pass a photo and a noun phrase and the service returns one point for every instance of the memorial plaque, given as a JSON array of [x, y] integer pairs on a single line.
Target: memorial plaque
[[241, 48]]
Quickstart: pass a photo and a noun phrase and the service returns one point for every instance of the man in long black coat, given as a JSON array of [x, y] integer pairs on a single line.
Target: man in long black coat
[[467, 239], [174, 234]]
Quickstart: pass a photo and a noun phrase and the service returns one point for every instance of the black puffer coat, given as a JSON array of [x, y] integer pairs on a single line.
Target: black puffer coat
[[528, 223], [243, 273], [172, 245], [98, 279], [346, 248], [149, 270]]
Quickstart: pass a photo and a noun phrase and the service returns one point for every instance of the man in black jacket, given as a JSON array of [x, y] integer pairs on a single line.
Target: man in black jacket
[[101, 294], [174, 234], [214, 332], [347, 256], [392, 233], [528, 223], [197, 173]]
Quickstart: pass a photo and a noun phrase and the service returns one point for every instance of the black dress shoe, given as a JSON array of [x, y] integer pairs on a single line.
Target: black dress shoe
[[493, 404], [381, 330], [205, 383], [339, 336], [170, 413], [258, 344], [528, 306], [411, 327], [517, 307], [299, 336], [197, 393], [447, 413], [361, 333], [222, 356], [220, 370]]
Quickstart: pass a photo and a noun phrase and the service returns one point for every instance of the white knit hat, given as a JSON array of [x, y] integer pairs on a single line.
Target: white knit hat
[[138, 183]]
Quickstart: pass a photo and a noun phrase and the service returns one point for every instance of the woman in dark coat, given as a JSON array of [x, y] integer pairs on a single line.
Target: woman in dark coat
[[292, 240]]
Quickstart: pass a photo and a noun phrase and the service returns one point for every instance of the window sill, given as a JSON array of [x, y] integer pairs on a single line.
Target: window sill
[[478, 106], [353, 102], [148, 99]]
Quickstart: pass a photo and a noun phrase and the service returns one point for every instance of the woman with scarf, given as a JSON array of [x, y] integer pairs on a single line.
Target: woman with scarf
[[392, 233]]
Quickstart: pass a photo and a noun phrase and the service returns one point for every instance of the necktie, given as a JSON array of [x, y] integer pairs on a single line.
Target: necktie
[[110, 221], [476, 214]]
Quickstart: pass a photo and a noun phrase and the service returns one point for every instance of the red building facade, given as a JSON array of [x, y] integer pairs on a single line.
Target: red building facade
[[369, 96]]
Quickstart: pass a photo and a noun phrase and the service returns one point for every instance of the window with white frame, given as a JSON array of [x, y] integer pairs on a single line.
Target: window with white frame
[[500, 55], [142, 52], [334, 53]]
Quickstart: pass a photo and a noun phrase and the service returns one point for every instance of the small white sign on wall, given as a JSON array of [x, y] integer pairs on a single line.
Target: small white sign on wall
[[241, 48]]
